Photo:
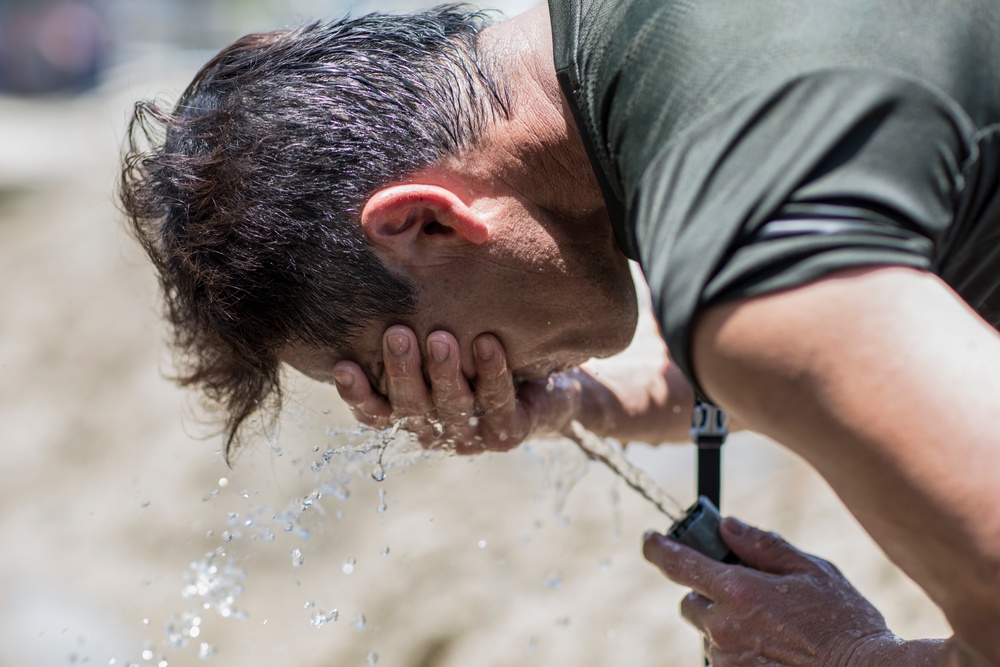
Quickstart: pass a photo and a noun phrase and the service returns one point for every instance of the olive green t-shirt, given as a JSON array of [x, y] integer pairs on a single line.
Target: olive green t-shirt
[[748, 147]]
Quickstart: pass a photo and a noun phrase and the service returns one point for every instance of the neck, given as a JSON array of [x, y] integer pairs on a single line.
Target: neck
[[537, 150]]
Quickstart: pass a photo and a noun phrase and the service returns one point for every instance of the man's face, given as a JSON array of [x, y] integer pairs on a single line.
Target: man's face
[[554, 294]]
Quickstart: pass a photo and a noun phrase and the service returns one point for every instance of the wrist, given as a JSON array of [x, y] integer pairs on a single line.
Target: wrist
[[888, 650], [561, 403]]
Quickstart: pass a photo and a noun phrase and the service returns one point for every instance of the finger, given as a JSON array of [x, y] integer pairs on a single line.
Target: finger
[[352, 385], [764, 551], [504, 422], [450, 393], [405, 383], [684, 565], [696, 610]]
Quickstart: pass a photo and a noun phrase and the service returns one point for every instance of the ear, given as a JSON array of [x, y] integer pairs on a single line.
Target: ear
[[417, 223]]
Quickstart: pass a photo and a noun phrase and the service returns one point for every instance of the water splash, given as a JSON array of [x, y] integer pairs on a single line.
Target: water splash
[[318, 619], [636, 478], [215, 582], [360, 623]]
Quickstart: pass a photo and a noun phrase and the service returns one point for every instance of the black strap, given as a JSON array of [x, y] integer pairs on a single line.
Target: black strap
[[709, 429]]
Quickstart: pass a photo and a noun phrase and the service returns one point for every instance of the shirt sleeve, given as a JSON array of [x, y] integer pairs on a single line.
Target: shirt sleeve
[[832, 170]]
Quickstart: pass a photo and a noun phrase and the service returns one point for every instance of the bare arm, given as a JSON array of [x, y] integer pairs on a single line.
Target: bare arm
[[637, 395], [890, 386]]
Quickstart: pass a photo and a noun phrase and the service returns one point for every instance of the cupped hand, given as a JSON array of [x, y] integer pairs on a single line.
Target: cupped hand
[[784, 608], [492, 412]]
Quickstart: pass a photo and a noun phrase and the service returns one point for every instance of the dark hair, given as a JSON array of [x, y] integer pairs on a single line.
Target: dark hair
[[246, 195]]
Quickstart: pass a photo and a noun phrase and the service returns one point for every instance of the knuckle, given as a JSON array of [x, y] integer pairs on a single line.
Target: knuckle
[[691, 604], [735, 587], [770, 540]]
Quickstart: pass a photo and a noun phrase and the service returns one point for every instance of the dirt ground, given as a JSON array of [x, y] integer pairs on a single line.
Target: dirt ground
[[111, 505]]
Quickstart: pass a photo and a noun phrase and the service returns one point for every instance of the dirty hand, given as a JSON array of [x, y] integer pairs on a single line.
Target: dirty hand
[[493, 412], [790, 609]]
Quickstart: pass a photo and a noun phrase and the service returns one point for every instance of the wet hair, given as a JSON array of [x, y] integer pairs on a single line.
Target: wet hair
[[246, 195]]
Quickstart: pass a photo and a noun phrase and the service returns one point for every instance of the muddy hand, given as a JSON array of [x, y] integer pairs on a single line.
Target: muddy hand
[[791, 609], [448, 412]]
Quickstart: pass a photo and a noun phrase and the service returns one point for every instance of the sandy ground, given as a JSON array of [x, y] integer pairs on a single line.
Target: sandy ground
[[111, 498]]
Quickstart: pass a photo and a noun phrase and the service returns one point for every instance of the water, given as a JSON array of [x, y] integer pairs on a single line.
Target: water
[[360, 622], [636, 478], [382, 507], [215, 582]]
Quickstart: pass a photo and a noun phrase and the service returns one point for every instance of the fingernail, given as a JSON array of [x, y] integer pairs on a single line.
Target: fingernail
[[439, 350], [484, 349], [399, 344], [735, 526], [343, 378]]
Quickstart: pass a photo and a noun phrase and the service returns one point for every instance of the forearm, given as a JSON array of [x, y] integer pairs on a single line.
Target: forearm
[[895, 652], [656, 411], [886, 383]]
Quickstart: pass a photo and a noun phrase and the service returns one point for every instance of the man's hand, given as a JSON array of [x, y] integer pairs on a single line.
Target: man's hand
[[790, 609], [491, 413]]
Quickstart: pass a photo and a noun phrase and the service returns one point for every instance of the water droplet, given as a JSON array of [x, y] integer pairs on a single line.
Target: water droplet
[[562, 623], [359, 623], [372, 658], [554, 580], [384, 552], [145, 504], [297, 558], [223, 482], [206, 651], [145, 621], [481, 544], [147, 653], [378, 474], [232, 518], [227, 536], [473, 422], [762, 660], [605, 565], [319, 619], [382, 507], [348, 567], [194, 632], [782, 588]]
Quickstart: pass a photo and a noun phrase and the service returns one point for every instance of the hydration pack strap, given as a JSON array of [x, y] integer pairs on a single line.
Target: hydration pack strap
[[709, 429]]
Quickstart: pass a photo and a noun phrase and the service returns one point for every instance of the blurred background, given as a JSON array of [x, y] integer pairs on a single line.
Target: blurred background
[[128, 541]]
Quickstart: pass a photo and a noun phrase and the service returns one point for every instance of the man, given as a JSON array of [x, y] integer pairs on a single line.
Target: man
[[805, 186]]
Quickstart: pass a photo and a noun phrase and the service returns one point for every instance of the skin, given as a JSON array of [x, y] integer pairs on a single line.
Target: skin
[[779, 597], [883, 379]]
